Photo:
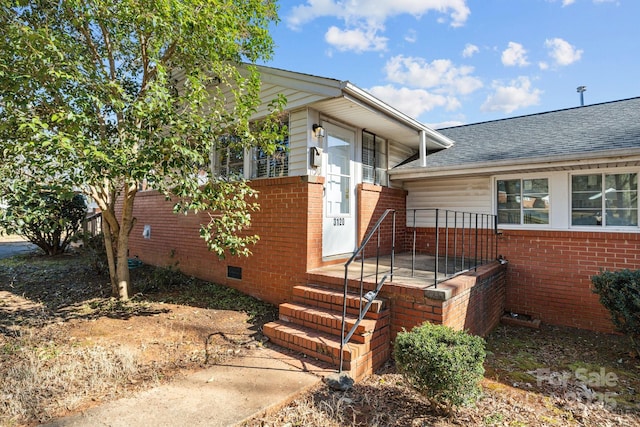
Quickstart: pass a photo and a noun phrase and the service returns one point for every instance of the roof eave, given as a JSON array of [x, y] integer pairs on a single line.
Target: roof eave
[[354, 91], [518, 165]]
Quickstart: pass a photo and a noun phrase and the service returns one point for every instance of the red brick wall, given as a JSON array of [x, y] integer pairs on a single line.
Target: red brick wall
[[280, 259], [373, 200], [474, 302], [478, 303], [549, 273]]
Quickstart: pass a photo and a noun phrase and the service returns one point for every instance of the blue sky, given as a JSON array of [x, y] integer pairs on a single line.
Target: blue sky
[[450, 62]]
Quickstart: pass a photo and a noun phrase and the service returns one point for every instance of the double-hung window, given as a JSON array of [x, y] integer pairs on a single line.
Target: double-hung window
[[272, 165], [227, 159], [275, 164], [374, 159], [523, 201], [607, 200]]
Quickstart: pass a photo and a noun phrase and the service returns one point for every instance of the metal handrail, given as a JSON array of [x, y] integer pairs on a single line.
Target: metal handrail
[[469, 241], [472, 242], [371, 295]]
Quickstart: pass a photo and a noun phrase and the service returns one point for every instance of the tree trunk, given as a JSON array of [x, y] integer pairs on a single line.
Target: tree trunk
[[111, 254], [122, 266], [116, 236]]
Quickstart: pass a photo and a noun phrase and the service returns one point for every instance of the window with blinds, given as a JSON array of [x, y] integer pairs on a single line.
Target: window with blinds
[[275, 164], [374, 159], [227, 159]]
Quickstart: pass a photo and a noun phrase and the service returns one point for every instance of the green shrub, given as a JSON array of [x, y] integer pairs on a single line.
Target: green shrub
[[47, 215], [444, 365], [619, 293]]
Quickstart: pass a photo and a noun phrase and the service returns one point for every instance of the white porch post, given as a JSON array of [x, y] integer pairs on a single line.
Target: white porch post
[[423, 148]]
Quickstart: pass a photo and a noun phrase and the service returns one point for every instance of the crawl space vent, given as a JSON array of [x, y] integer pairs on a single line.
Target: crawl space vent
[[234, 272]]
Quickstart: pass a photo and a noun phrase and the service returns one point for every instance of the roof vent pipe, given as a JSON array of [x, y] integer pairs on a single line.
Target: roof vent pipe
[[581, 90]]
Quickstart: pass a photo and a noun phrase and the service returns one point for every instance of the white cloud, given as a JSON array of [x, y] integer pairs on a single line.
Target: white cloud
[[570, 2], [376, 10], [515, 54], [562, 52], [470, 50], [517, 94], [411, 36], [564, 2], [413, 102], [363, 19], [355, 40], [543, 65], [440, 75]]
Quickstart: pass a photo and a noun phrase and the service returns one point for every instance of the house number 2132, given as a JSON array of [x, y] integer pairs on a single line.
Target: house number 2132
[[338, 221]]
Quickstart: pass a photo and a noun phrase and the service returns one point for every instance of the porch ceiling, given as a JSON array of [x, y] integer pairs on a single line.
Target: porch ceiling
[[354, 112]]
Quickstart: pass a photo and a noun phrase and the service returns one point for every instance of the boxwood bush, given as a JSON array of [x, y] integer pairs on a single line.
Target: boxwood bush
[[619, 293], [444, 365]]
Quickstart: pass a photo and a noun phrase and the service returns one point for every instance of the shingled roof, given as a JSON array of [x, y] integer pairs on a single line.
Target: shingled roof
[[571, 133]]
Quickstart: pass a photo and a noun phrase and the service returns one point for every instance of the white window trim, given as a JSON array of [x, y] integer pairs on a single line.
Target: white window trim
[[494, 191], [600, 228]]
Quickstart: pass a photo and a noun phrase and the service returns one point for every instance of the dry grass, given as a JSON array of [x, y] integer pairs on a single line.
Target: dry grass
[[547, 377], [65, 346], [46, 378]]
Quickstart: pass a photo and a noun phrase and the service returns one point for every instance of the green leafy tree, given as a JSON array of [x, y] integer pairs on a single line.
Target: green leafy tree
[[47, 216], [104, 95]]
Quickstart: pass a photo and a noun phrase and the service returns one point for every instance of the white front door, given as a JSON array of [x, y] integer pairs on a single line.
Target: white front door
[[339, 222]]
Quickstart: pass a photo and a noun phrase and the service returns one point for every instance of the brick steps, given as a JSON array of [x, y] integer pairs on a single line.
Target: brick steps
[[312, 323], [322, 346], [331, 299], [326, 321]]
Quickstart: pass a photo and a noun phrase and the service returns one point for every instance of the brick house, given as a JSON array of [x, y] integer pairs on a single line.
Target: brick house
[[350, 158], [564, 185]]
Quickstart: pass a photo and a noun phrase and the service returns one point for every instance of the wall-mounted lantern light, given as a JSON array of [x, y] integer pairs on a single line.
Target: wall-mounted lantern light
[[318, 130]]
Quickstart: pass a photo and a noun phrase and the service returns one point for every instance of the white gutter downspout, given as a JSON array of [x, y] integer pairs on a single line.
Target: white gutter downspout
[[423, 149]]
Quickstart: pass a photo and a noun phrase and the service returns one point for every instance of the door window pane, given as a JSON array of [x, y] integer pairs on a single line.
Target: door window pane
[[338, 186]]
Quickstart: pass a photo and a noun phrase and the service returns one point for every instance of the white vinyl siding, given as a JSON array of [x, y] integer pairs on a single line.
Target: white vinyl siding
[[298, 151], [457, 194], [398, 153]]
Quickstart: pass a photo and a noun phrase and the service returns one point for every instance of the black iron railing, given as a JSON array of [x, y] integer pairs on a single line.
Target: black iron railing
[[456, 241], [462, 241], [366, 299]]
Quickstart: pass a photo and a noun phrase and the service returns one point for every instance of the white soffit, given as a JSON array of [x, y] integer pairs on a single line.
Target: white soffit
[[350, 105], [352, 112]]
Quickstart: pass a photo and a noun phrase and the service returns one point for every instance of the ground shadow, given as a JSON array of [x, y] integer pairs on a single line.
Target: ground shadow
[[39, 290]]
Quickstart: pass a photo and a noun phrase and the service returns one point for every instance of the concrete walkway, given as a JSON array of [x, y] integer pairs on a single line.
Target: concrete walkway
[[15, 245], [222, 395]]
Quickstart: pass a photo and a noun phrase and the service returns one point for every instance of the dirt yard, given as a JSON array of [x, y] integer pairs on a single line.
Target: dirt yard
[[66, 346]]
